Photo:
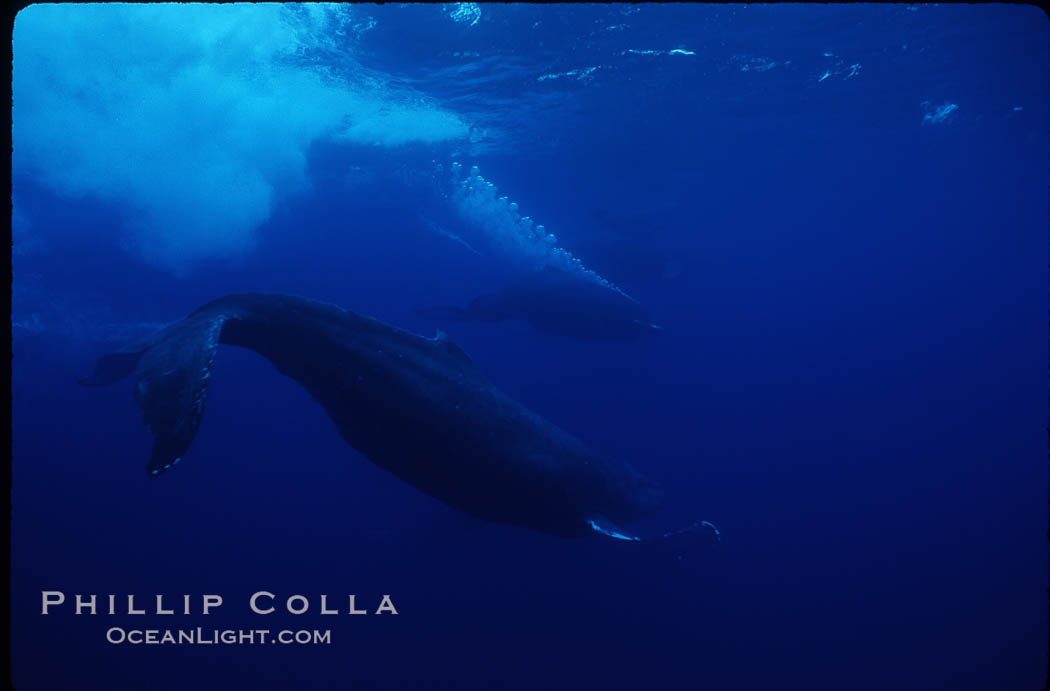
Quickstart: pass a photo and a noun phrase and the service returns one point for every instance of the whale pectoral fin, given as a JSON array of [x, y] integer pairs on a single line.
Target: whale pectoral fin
[[171, 386]]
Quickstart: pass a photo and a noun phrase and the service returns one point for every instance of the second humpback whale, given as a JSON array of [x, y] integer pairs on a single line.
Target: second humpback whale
[[556, 301], [415, 406]]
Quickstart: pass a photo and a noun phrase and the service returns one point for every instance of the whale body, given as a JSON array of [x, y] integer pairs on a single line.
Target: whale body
[[557, 301], [415, 406]]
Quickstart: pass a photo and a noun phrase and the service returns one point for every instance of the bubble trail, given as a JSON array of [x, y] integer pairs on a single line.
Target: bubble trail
[[477, 200]]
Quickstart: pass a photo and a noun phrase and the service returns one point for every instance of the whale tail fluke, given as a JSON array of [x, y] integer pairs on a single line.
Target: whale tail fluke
[[112, 368], [696, 536], [697, 532], [172, 369]]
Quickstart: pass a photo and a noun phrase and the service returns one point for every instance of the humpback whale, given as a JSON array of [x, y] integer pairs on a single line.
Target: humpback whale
[[415, 406], [556, 301]]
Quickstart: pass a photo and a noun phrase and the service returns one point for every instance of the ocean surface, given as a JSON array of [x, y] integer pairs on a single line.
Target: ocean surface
[[837, 214]]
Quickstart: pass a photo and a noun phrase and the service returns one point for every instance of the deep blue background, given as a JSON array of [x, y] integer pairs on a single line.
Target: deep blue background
[[851, 381]]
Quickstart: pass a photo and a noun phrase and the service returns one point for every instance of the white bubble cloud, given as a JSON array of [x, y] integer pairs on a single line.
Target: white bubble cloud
[[195, 118]]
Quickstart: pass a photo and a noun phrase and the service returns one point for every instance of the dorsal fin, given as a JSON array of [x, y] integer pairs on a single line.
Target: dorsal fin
[[442, 341]]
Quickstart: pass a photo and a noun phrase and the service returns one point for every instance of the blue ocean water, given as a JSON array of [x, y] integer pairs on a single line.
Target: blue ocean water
[[837, 215]]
